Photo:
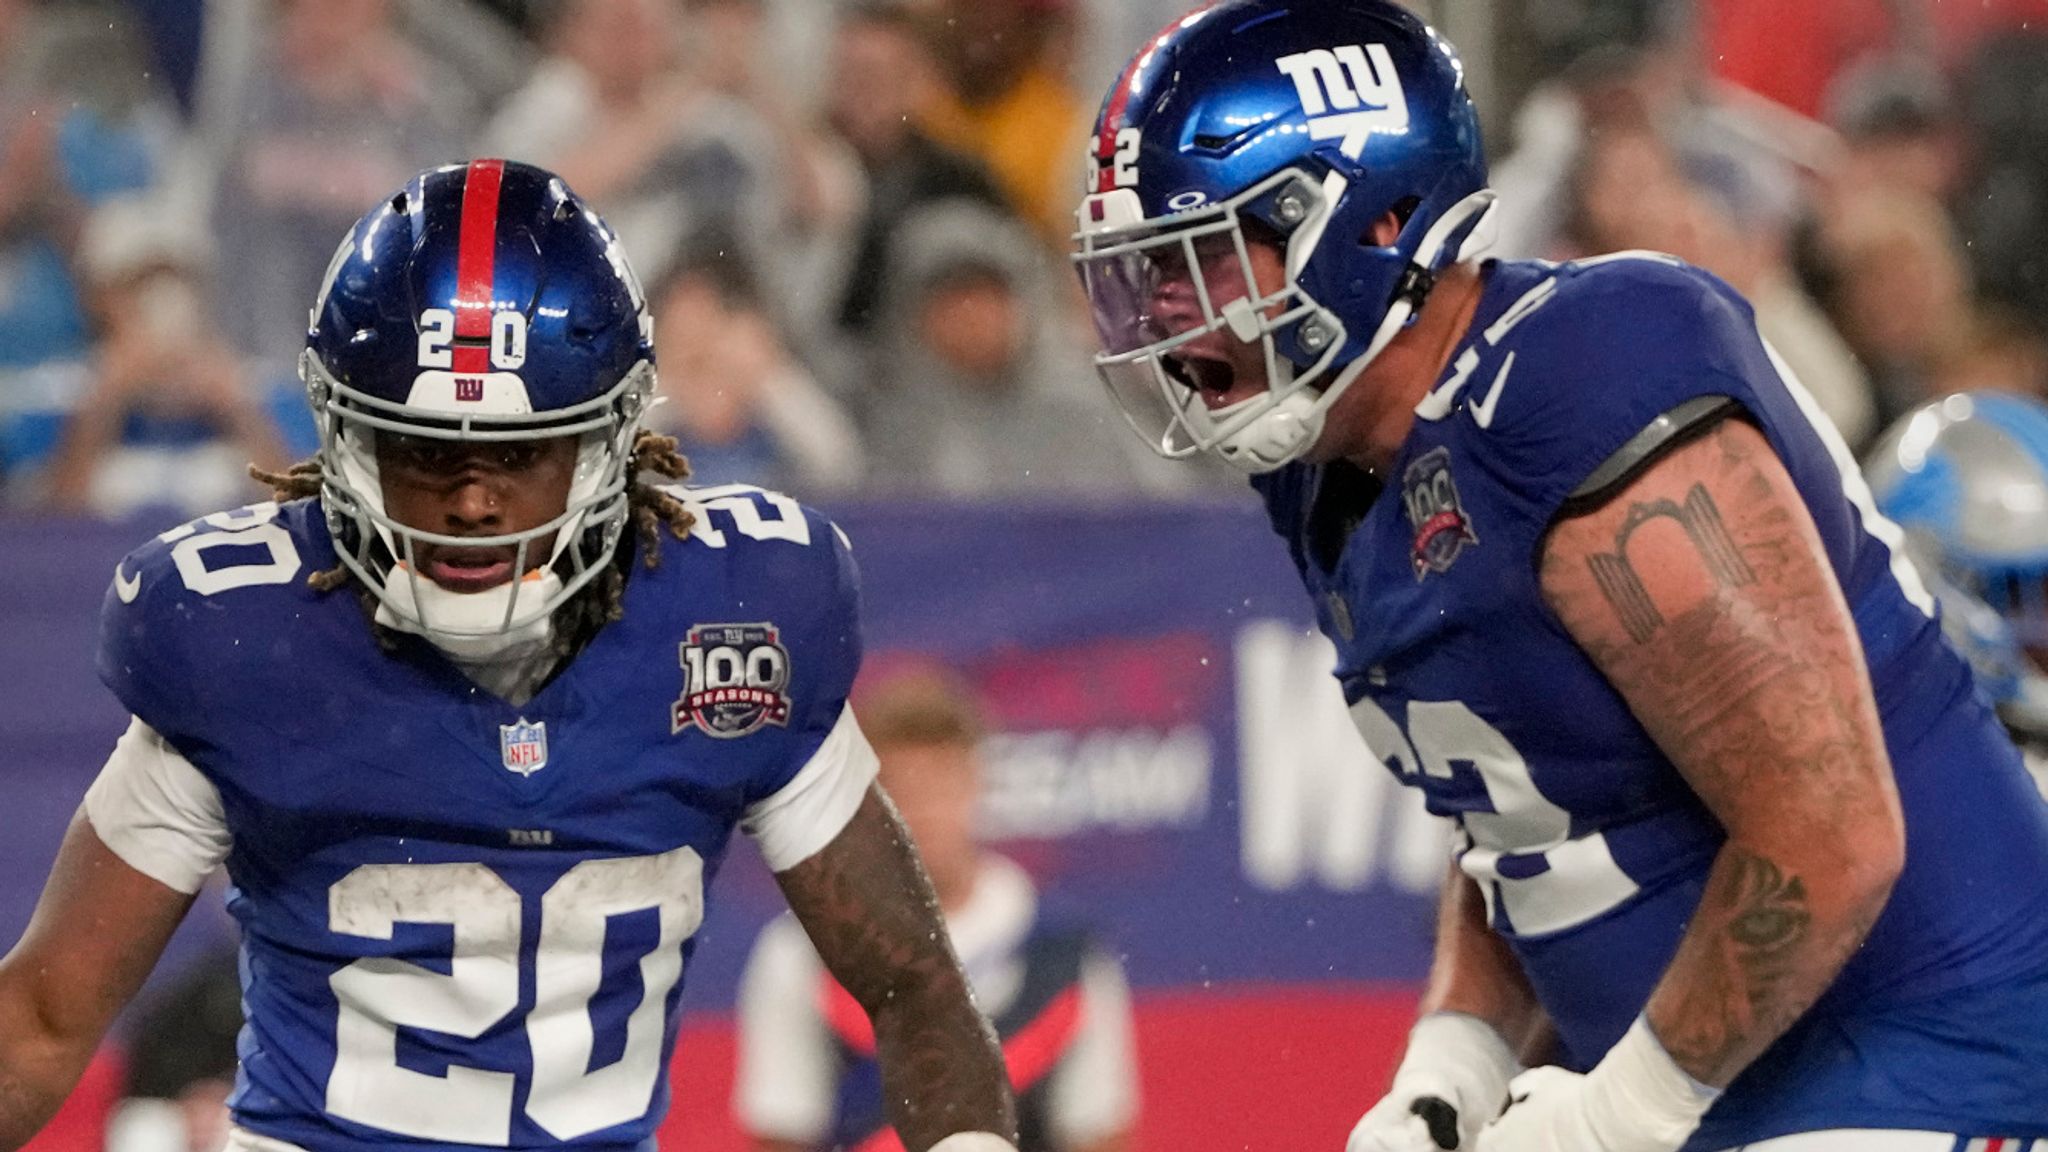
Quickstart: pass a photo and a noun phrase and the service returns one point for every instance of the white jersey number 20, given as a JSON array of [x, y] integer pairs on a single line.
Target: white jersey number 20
[[568, 1098]]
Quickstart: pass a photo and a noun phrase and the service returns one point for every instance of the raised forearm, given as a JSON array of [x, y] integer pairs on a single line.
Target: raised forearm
[[37, 1070], [1769, 937], [1767, 717], [1474, 973], [870, 911], [1705, 595], [940, 1063]]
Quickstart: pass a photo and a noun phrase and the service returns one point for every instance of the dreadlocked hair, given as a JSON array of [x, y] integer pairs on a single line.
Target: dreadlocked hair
[[654, 512]]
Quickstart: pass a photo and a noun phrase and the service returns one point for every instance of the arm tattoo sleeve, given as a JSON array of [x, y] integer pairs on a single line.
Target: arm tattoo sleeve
[[871, 913], [1701, 520], [1716, 615]]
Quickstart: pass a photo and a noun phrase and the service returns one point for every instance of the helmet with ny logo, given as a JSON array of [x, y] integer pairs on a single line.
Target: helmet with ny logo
[[1300, 124], [482, 302]]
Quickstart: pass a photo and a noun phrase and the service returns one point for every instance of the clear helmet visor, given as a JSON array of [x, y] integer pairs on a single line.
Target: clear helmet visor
[[1197, 303], [1190, 314], [1166, 293]]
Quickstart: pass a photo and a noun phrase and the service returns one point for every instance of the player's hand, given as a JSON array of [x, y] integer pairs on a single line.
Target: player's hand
[[1636, 1100], [1547, 1113], [1407, 1122], [1452, 1081]]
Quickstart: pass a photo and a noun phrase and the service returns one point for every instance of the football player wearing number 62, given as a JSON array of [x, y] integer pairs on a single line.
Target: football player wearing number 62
[[1737, 834], [470, 715]]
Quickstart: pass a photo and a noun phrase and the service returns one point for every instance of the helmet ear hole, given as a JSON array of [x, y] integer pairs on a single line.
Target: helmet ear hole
[[1402, 212]]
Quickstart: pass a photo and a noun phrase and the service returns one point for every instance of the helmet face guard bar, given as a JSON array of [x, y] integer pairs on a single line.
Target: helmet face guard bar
[[375, 547], [1124, 266]]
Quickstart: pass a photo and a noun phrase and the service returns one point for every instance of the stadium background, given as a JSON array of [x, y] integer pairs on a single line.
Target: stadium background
[[1171, 761]]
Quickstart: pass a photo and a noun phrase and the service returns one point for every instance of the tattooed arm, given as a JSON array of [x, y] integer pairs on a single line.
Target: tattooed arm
[[1703, 592], [869, 909]]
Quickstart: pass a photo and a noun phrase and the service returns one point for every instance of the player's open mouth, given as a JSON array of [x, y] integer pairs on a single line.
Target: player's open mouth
[[467, 569], [1212, 377]]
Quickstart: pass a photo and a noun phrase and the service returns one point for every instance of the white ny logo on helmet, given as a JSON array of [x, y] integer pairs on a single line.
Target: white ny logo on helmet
[[1349, 93]]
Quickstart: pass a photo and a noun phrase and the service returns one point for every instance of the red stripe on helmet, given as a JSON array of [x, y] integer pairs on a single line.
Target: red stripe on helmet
[[1120, 98], [476, 262]]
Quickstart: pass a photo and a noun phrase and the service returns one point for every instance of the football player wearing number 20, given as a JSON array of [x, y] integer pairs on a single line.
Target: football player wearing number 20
[[1736, 833], [470, 716]]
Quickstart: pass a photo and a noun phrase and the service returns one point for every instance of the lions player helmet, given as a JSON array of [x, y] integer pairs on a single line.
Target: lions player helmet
[[1298, 122], [1966, 477], [482, 302]]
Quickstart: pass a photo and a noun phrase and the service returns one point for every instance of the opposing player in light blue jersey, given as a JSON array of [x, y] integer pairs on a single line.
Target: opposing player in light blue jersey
[[1737, 833], [470, 717]]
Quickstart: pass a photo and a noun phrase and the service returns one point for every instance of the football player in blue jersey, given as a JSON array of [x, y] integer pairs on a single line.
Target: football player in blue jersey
[[470, 751], [1606, 588]]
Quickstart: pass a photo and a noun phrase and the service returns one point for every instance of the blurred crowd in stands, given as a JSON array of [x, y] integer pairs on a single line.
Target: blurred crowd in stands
[[851, 215]]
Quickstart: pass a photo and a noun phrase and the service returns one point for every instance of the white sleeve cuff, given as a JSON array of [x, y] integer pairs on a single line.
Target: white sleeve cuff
[[157, 812], [793, 824]]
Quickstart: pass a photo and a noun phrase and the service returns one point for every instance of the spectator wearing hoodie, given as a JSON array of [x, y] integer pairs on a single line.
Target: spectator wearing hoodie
[[882, 81], [169, 420], [982, 392]]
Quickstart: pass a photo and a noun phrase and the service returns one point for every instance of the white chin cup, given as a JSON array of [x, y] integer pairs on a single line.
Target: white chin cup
[[1288, 427], [470, 625]]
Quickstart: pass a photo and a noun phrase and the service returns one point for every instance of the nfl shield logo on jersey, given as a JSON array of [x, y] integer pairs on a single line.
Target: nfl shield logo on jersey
[[1442, 530], [525, 746], [735, 680]]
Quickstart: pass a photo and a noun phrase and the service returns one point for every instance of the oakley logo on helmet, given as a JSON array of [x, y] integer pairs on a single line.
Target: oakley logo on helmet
[[1348, 93]]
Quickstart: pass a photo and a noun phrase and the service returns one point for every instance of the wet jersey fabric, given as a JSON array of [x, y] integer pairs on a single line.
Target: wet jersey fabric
[[465, 923], [1588, 846]]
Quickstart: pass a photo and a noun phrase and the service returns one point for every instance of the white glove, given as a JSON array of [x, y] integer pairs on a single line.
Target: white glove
[[1452, 1081], [1637, 1099]]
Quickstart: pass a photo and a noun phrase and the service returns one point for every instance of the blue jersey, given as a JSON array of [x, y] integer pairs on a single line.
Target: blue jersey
[[1589, 848], [465, 922]]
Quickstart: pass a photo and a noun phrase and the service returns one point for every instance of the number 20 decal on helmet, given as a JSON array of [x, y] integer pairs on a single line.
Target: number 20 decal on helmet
[[1294, 123]]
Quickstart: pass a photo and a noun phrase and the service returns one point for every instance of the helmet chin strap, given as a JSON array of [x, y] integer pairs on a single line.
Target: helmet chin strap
[[1280, 434], [466, 625]]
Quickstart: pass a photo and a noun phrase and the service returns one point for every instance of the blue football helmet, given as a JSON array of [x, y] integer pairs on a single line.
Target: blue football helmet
[[1967, 478], [1301, 123], [482, 302]]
